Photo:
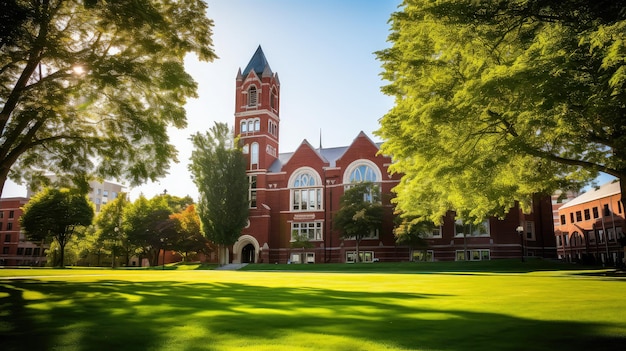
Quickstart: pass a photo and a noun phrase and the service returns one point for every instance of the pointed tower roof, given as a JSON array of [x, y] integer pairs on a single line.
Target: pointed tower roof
[[258, 64]]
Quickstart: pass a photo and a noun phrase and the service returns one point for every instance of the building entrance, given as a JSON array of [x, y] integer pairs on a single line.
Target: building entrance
[[247, 254]]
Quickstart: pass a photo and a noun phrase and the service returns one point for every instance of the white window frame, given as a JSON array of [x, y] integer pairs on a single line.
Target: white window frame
[[312, 188], [435, 233], [252, 190], [416, 256], [354, 166], [302, 257], [474, 233], [366, 256], [482, 255], [254, 155], [306, 228], [529, 230], [253, 96]]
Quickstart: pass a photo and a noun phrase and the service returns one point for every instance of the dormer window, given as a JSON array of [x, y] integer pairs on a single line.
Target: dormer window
[[252, 96]]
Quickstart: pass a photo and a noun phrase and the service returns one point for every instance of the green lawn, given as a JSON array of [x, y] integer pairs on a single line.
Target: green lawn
[[489, 306]]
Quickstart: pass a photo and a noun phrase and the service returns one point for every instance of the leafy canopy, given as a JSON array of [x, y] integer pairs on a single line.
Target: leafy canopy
[[361, 212], [56, 214], [147, 227], [188, 233], [219, 172], [90, 87], [498, 100]]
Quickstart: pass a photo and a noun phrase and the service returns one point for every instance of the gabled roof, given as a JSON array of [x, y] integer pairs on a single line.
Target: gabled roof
[[609, 189], [258, 64], [330, 155]]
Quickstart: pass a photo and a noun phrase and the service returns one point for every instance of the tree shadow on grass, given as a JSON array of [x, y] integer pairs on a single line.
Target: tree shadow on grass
[[124, 315]]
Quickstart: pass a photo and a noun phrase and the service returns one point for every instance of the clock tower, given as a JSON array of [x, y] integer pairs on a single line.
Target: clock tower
[[257, 112]]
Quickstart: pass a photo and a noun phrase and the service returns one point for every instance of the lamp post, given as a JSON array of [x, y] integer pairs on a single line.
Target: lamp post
[[520, 231], [163, 248], [116, 229]]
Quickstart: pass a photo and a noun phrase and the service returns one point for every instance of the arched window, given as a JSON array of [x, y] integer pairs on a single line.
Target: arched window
[[250, 126], [244, 127], [254, 155], [252, 96], [363, 173], [257, 125], [306, 191]]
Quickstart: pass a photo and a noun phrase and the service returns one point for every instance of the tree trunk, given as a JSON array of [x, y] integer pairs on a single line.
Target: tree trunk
[[222, 255], [62, 263], [4, 173]]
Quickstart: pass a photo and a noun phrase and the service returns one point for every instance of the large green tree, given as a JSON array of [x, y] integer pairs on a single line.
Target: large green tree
[[360, 214], [56, 214], [498, 100], [90, 87], [147, 227], [110, 231], [219, 172]]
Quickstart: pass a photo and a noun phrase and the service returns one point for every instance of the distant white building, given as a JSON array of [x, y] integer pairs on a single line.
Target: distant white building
[[101, 192]]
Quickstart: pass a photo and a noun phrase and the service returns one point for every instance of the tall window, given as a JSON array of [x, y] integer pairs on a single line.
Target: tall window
[[306, 193], [252, 96], [254, 155], [530, 230], [274, 99], [244, 127], [252, 191], [306, 230]]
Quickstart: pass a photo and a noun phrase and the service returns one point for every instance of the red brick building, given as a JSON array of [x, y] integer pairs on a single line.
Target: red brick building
[[591, 226], [299, 192], [16, 250]]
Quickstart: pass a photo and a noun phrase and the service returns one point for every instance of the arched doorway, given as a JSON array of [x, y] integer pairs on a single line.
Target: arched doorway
[[247, 254], [246, 249]]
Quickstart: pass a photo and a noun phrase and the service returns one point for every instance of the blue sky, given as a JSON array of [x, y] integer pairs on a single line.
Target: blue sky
[[323, 52]]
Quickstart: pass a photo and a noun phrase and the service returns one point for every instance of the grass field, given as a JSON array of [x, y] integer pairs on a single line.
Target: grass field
[[484, 306]]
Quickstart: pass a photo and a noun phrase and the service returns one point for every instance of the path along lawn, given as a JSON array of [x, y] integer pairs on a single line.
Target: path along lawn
[[72, 309]]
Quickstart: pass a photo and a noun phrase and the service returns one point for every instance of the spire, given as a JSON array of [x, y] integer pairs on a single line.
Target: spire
[[258, 64], [320, 139]]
